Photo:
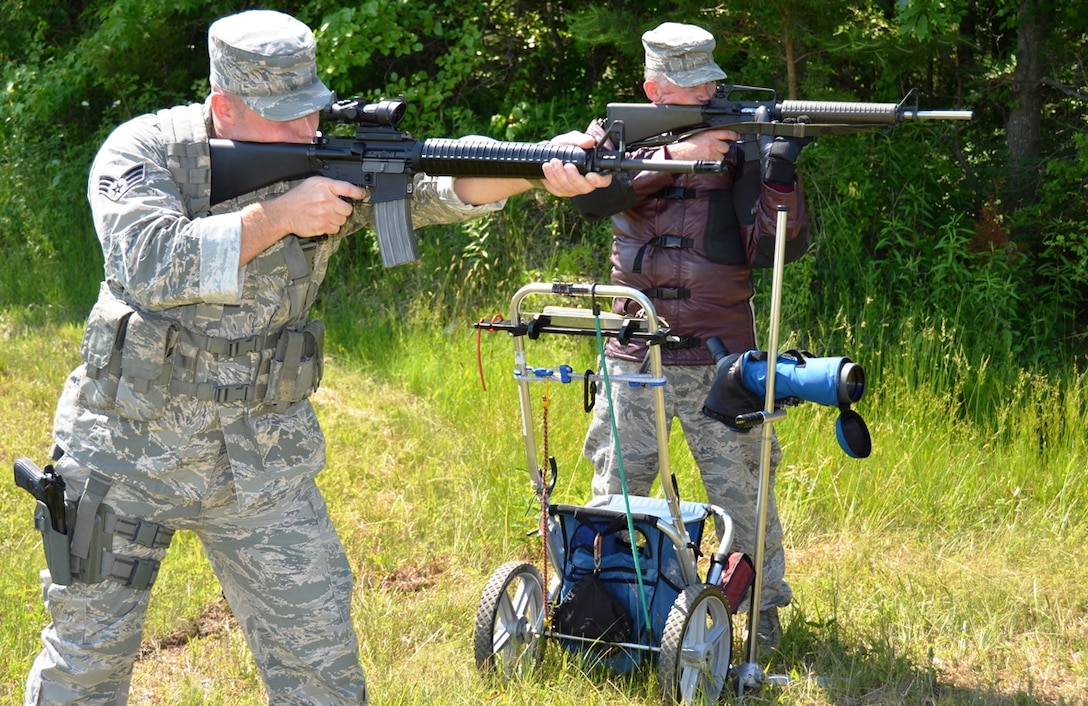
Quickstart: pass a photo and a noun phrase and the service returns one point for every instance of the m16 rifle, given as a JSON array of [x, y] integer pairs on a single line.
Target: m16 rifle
[[647, 124], [384, 159]]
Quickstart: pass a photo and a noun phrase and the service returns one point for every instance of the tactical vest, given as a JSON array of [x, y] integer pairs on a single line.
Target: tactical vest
[[135, 358], [188, 156]]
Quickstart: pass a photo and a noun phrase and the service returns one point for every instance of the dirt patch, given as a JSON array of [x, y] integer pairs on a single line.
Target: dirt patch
[[410, 579], [214, 619]]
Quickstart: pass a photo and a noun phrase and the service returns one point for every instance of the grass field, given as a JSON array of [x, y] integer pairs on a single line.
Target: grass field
[[947, 568]]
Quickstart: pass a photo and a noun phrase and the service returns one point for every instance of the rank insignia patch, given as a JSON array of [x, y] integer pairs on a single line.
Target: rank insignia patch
[[114, 188]]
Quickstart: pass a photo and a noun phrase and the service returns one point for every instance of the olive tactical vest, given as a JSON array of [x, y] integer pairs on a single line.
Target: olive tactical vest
[[261, 351]]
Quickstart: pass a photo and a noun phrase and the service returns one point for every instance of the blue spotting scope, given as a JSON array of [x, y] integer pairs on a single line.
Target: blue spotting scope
[[737, 395]]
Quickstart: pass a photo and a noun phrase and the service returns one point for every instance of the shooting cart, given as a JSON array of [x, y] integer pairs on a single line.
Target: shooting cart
[[626, 585]]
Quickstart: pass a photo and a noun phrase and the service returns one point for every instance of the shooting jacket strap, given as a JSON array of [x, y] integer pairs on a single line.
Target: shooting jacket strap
[[661, 241], [684, 343], [665, 293], [674, 192]]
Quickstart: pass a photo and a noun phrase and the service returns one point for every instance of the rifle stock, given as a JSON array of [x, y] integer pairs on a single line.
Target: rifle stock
[[384, 160]]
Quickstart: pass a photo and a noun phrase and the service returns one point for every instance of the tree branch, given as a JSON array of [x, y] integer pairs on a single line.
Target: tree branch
[[1064, 89]]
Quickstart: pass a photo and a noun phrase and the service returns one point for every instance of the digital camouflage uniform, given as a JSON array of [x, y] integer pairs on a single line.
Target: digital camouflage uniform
[[191, 404], [682, 239]]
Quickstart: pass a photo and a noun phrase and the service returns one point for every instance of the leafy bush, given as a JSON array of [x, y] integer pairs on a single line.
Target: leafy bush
[[911, 223]]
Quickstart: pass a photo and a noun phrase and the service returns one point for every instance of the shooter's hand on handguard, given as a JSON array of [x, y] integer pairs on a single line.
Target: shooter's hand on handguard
[[564, 180]]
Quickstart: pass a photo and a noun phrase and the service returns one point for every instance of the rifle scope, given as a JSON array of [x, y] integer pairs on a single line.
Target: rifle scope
[[387, 112]]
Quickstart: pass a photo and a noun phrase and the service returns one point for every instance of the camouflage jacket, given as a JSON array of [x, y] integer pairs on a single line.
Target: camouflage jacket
[[183, 343]]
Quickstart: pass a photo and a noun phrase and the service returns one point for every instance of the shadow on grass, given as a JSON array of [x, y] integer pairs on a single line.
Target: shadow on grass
[[815, 662]]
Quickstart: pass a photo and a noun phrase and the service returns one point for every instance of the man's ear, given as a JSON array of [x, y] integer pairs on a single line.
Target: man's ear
[[223, 109], [652, 90]]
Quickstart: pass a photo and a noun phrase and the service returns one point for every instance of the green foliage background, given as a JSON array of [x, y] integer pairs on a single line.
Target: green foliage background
[[954, 271], [932, 223]]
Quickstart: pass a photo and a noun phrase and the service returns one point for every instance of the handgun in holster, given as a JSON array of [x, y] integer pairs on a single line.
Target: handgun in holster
[[52, 515], [78, 534]]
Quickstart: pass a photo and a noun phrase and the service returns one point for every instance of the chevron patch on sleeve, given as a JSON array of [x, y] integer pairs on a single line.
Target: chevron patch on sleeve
[[113, 188]]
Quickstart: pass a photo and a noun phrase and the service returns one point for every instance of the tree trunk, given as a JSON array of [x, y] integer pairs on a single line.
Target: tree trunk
[[1023, 131], [789, 47]]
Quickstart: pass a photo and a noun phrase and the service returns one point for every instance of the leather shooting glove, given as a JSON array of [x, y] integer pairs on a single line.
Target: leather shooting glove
[[778, 154]]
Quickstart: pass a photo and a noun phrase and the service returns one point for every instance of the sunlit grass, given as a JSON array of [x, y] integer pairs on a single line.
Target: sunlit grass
[[946, 568]]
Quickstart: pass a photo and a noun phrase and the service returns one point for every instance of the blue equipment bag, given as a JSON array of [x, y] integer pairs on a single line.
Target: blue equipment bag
[[595, 548]]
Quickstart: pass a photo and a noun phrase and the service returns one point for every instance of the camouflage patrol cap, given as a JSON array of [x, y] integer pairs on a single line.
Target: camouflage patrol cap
[[684, 53], [269, 59]]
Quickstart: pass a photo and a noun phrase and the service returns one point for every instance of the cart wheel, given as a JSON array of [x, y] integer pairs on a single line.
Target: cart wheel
[[510, 621], [696, 647]]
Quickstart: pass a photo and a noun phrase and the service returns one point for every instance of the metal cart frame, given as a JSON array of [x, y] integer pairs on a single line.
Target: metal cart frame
[[696, 642]]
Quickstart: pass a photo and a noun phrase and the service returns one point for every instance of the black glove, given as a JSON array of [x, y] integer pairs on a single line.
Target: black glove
[[778, 155], [608, 200], [729, 397]]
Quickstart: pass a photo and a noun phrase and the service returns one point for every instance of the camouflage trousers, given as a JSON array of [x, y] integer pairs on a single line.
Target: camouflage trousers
[[282, 569], [728, 461]]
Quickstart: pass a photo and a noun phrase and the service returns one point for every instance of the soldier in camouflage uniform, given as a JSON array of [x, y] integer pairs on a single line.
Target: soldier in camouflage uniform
[[678, 238], [190, 408]]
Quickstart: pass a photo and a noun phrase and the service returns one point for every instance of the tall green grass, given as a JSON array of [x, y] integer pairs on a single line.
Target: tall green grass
[[53, 260], [942, 569], [946, 568]]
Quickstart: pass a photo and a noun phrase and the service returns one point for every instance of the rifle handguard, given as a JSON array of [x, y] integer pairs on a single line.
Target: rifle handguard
[[478, 157]]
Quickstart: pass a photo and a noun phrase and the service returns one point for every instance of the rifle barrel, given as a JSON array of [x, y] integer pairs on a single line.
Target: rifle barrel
[[857, 113], [675, 166], [939, 115]]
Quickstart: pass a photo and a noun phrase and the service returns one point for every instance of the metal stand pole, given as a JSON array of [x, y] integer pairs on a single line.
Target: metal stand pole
[[750, 674]]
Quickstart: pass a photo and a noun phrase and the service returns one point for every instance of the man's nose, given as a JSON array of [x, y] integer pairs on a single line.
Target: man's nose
[[306, 127]]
